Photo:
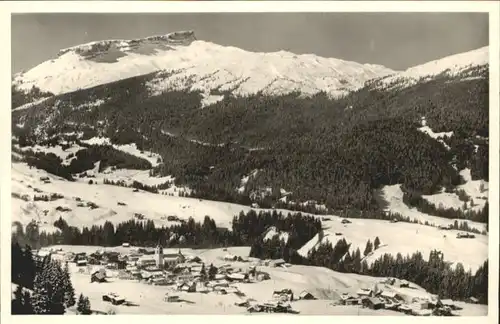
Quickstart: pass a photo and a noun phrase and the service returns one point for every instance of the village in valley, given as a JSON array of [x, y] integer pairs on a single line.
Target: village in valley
[[184, 278]]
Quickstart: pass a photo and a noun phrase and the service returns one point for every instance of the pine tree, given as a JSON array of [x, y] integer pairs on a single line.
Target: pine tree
[[368, 248], [80, 305], [69, 291], [376, 244], [87, 308], [83, 305], [203, 272], [356, 263], [212, 271]]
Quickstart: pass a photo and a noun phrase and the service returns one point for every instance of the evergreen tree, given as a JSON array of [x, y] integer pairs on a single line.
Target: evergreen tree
[[376, 243], [69, 291], [368, 248], [203, 272], [212, 271], [88, 308], [83, 305], [356, 262], [21, 304], [80, 305]]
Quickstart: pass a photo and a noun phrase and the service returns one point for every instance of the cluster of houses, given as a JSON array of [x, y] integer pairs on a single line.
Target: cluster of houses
[[393, 300], [280, 302], [153, 266]]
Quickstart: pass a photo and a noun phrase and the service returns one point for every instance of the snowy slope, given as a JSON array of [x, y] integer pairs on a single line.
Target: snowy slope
[[399, 237], [157, 207], [404, 238], [195, 64], [394, 197], [476, 190], [451, 65]]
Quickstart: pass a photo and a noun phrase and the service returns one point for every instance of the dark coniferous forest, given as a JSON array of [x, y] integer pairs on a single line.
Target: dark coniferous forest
[[314, 147]]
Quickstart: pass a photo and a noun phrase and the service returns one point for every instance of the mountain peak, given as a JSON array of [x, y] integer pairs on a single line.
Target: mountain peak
[[96, 49]]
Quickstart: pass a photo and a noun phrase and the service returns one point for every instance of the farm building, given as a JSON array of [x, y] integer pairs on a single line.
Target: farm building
[[364, 292], [171, 298], [146, 260], [284, 294], [390, 295], [348, 299], [305, 295], [372, 303], [151, 273], [98, 275]]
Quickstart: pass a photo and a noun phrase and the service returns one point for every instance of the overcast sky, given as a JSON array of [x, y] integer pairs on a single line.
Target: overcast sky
[[396, 40]]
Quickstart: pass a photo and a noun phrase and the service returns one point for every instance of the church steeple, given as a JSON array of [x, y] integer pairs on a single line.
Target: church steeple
[[159, 255]]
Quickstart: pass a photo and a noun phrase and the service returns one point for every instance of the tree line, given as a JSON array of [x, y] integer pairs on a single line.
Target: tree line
[[246, 228]]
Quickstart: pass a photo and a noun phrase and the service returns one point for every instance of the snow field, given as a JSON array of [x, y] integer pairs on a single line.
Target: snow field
[[395, 237]]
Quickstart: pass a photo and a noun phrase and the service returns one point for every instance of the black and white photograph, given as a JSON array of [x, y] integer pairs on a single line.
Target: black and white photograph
[[239, 163]]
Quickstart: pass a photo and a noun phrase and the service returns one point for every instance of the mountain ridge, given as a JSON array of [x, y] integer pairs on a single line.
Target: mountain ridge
[[240, 71], [181, 61]]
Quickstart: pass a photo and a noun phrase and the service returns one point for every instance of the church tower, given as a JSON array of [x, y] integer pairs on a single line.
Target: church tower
[[159, 256]]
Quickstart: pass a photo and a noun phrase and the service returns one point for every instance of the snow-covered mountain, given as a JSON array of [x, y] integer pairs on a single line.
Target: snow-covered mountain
[[464, 65], [189, 63]]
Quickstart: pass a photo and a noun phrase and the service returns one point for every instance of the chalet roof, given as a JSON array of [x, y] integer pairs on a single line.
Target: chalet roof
[[364, 291], [305, 294], [347, 296], [388, 294], [236, 276], [375, 301]]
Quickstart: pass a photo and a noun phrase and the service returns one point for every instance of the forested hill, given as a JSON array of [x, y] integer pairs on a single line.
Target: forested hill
[[336, 152]]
